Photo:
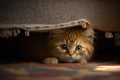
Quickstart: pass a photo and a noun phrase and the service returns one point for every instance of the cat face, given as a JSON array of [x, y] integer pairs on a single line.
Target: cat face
[[70, 45]]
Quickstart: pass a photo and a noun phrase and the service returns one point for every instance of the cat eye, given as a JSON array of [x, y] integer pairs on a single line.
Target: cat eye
[[63, 46], [78, 47]]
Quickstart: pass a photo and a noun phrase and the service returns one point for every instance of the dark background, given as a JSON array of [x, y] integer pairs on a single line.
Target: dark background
[[103, 13], [32, 48]]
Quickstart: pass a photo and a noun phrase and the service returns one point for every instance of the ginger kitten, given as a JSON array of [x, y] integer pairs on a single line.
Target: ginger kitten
[[70, 45]]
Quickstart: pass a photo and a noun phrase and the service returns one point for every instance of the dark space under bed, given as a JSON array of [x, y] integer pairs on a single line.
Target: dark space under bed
[[25, 49]]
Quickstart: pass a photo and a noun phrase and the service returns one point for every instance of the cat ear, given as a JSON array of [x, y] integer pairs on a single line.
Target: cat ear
[[88, 30], [84, 23], [89, 33]]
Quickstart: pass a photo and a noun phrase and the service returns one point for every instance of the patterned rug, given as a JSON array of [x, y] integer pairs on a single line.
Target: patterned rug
[[73, 71]]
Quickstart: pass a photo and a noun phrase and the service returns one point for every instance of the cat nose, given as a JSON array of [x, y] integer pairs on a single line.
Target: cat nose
[[70, 52]]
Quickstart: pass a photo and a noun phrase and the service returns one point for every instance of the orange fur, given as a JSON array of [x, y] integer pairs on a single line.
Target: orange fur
[[71, 38]]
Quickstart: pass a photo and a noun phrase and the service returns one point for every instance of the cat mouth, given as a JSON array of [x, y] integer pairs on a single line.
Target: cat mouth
[[69, 59], [72, 58]]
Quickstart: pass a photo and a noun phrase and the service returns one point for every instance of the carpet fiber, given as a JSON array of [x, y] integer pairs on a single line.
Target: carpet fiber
[[74, 71]]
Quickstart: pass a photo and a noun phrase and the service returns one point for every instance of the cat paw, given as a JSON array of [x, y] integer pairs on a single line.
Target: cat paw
[[50, 60]]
